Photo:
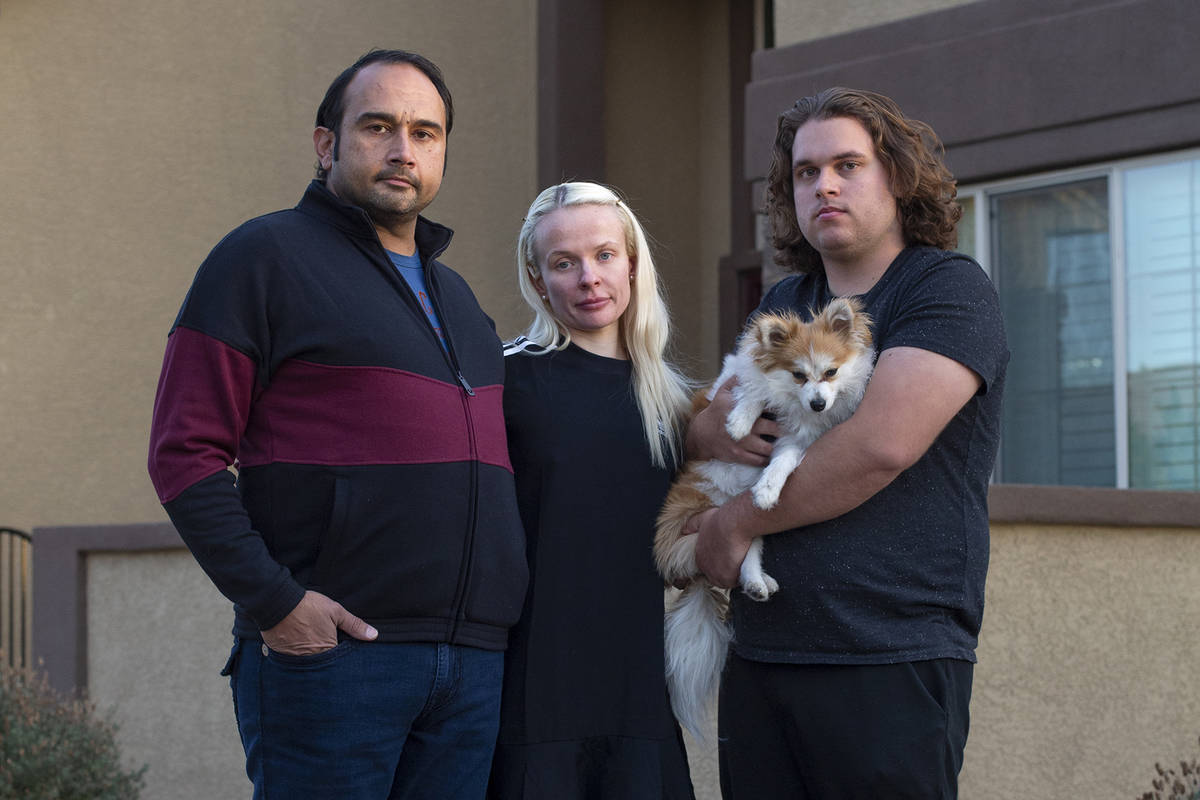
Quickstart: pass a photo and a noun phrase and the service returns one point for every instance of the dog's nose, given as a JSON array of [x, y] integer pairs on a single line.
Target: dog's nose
[[817, 404]]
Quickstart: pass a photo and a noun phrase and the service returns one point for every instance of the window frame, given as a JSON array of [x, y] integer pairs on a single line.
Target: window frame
[[1113, 172]]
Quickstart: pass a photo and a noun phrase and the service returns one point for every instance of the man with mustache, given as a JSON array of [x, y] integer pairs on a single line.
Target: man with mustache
[[371, 543], [854, 679]]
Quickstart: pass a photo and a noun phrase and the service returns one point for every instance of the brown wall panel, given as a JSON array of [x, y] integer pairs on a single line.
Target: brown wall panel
[[1009, 85]]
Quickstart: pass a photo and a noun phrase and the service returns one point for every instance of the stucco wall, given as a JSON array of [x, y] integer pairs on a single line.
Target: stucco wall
[[1088, 664], [154, 657], [139, 132]]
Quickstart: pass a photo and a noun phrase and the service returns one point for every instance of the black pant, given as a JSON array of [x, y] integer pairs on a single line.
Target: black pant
[[839, 732]]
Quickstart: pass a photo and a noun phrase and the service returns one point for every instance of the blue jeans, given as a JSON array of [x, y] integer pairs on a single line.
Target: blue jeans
[[367, 721]]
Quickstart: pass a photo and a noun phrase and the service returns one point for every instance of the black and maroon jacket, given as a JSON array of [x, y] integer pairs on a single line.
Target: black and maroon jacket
[[372, 463]]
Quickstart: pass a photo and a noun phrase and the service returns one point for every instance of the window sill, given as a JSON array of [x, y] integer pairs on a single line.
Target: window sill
[[1077, 505]]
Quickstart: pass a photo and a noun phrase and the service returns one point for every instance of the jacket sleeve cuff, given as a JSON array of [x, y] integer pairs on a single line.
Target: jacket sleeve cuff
[[279, 605]]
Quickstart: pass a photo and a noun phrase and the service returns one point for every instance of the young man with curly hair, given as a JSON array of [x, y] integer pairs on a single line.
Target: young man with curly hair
[[854, 680]]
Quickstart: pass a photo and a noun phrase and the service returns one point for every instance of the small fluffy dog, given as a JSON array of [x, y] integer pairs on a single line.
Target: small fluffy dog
[[810, 376]]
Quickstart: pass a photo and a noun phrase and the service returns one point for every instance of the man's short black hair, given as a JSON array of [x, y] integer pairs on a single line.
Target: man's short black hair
[[333, 107]]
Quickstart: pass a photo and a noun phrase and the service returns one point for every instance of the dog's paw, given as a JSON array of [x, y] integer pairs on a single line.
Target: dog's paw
[[738, 426], [766, 491], [756, 590], [761, 588]]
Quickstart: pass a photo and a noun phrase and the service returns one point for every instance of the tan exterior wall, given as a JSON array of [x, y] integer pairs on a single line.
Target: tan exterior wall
[[1088, 662], [154, 655], [1087, 669], [138, 133]]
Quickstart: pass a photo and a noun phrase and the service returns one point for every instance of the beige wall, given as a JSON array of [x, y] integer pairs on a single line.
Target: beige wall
[[154, 655], [1088, 664], [139, 132]]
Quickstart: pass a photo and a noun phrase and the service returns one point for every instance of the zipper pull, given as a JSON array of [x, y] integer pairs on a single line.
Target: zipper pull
[[466, 385]]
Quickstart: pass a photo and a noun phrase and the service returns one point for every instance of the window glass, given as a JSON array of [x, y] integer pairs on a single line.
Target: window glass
[[1051, 259], [1162, 239]]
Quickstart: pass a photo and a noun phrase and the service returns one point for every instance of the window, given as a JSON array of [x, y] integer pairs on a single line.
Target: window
[[1098, 272]]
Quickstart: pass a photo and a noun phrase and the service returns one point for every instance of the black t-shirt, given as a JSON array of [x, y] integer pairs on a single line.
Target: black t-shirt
[[585, 711], [900, 578]]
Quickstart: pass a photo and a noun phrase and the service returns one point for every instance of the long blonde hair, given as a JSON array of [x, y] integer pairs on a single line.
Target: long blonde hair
[[659, 388]]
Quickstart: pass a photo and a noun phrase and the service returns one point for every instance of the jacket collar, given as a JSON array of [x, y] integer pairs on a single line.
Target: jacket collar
[[432, 238]]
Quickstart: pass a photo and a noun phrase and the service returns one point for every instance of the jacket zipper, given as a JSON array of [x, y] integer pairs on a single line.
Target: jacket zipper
[[466, 385], [464, 583], [458, 612]]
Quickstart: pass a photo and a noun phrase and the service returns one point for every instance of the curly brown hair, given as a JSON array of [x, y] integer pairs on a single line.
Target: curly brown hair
[[910, 150]]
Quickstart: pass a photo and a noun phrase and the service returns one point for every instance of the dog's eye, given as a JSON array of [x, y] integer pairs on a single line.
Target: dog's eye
[[800, 377], [829, 373]]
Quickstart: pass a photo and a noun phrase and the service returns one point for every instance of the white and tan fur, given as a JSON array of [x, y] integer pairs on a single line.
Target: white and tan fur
[[810, 377]]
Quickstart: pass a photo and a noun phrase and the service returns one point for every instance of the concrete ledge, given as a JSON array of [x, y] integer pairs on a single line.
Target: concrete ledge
[[1077, 505], [60, 590]]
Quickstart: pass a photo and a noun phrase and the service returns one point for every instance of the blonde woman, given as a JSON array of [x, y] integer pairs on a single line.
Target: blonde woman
[[594, 415]]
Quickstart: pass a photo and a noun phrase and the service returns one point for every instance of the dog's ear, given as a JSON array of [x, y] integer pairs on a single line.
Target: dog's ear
[[839, 315], [772, 331], [845, 317]]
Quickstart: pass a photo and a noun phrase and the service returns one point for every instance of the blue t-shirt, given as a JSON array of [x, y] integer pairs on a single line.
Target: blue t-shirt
[[414, 274]]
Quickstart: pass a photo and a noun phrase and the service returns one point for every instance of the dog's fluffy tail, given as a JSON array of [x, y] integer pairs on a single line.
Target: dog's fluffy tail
[[697, 638]]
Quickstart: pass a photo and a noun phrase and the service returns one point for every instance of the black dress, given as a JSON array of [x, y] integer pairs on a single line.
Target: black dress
[[585, 710]]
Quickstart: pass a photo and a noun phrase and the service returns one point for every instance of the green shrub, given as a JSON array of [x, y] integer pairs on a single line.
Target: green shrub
[[1182, 785], [57, 748]]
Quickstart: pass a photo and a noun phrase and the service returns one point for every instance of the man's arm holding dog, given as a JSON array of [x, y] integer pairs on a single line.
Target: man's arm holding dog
[[912, 396]]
